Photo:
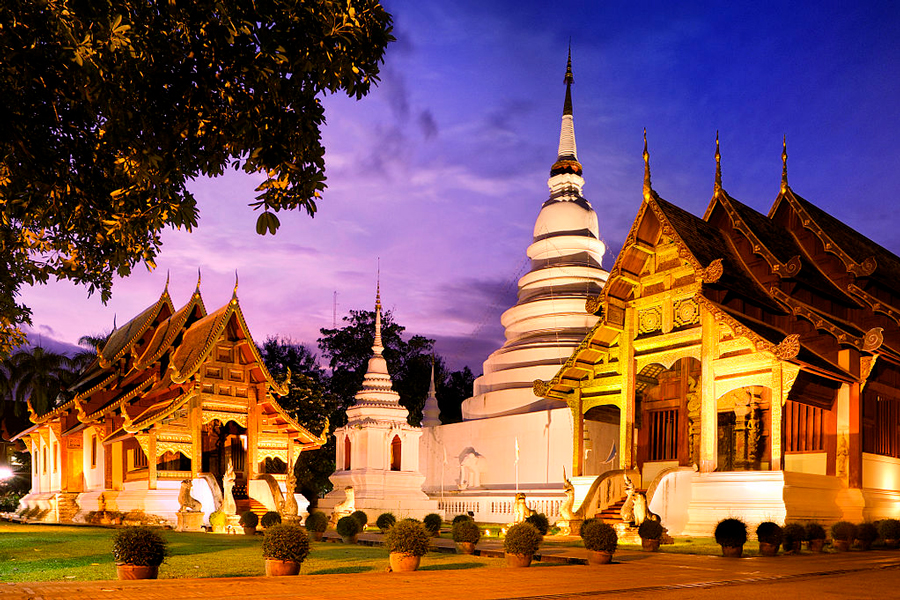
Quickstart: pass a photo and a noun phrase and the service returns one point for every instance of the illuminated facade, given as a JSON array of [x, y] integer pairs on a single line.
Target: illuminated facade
[[173, 395], [751, 363]]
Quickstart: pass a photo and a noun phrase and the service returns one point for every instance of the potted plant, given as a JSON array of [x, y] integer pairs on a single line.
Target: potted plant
[[138, 552], [651, 534], [217, 521], [316, 524], [769, 535], [731, 534], [540, 521], [843, 533], [520, 544], [348, 528], [815, 537], [792, 536], [433, 522], [284, 547], [459, 518], [361, 517], [889, 530], [466, 534], [249, 521], [270, 519], [600, 539], [385, 521], [866, 533], [407, 542]]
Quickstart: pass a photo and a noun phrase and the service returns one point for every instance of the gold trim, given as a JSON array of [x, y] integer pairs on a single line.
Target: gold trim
[[712, 273], [207, 416]]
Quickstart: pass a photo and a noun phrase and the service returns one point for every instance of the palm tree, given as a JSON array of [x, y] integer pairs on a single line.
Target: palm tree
[[83, 358], [41, 375]]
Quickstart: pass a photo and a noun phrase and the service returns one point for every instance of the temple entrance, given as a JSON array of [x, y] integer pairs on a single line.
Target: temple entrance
[[667, 409], [600, 439], [221, 443], [743, 430]]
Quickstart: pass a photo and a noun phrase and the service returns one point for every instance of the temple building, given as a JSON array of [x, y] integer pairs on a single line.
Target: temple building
[[174, 396], [750, 361]]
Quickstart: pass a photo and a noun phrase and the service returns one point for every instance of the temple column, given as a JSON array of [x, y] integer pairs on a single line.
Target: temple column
[[253, 434], [151, 459], [196, 426], [779, 395], [577, 408], [629, 389], [708, 411], [290, 454]]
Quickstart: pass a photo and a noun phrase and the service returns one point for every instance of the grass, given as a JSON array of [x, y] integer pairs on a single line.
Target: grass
[[53, 553]]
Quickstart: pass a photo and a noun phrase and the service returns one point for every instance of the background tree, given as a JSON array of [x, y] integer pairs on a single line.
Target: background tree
[[451, 393], [111, 108]]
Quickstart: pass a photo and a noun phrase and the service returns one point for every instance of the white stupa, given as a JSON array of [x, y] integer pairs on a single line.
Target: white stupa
[[378, 450], [549, 319]]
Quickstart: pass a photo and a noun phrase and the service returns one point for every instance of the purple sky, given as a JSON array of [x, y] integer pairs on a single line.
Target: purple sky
[[442, 170]]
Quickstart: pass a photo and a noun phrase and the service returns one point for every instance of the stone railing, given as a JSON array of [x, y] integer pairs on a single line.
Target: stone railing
[[499, 507], [606, 490]]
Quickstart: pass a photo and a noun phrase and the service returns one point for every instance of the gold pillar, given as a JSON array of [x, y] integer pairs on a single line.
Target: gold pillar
[[709, 417], [290, 453], [779, 395], [253, 434], [196, 425], [151, 459], [578, 435], [627, 368]]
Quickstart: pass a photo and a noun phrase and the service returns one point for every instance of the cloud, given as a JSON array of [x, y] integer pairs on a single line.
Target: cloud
[[427, 124]]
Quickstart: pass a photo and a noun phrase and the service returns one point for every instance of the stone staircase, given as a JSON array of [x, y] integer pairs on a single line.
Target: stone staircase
[[245, 504], [67, 506]]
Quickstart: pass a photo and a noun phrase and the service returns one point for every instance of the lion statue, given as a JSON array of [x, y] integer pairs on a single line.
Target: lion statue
[[636, 509], [345, 508], [186, 502], [521, 510]]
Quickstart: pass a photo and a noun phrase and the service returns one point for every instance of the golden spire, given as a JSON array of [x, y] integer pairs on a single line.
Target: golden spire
[[234, 293], [648, 190], [718, 185], [377, 346], [784, 183], [166, 289], [197, 291]]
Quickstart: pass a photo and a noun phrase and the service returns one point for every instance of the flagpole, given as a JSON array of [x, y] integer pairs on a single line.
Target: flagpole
[[517, 464]]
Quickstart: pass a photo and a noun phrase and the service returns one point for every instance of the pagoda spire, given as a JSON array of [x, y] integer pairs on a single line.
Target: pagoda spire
[[565, 175], [431, 412], [784, 181], [377, 388], [648, 189], [718, 185]]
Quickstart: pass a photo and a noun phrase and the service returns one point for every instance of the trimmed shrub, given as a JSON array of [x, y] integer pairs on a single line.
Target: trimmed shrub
[[361, 517], [731, 532], [889, 529], [218, 519], [769, 533], [844, 531], [408, 537], [317, 522], [540, 521], [793, 533], [459, 518], [348, 527], [866, 533], [599, 536], [466, 530], [285, 542], [270, 518], [522, 538], [385, 521], [433, 522], [141, 546], [249, 519], [650, 530], [814, 531]]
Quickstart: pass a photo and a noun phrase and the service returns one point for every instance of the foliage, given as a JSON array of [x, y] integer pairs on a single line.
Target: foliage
[[348, 527], [866, 533], [249, 519], [540, 521], [451, 392], [142, 546], [361, 517], [768, 532], [522, 538], [218, 519], [408, 536], [459, 518], [650, 530], [385, 521], [795, 532], [466, 530], [285, 542], [599, 536], [110, 109], [889, 529], [731, 532], [814, 531], [317, 521], [270, 519], [433, 522], [844, 531]]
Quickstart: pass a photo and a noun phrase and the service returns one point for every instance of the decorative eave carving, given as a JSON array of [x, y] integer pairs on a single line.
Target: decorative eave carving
[[869, 342], [147, 422], [874, 303], [866, 364], [667, 230], [122, 400], [712, 272], [787, 349], [593, 305], [540, 388], [783, 270]]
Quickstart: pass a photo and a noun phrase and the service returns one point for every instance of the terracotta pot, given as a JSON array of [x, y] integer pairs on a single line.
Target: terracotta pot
[[401, 562], [864, 545], [249, 530], [766, 549], [795, 548], [349, 539], [465, 547], [596, 557], [279, 568], [316, 535], [732, 551], [518, 560], [841, 545], [815, 546], [136, 571], [650, 545]]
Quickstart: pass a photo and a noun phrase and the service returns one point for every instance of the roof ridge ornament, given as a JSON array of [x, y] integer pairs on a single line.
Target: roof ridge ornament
[[718, 185], [234, 293], [197, 289], [784, 179], [648, 189]]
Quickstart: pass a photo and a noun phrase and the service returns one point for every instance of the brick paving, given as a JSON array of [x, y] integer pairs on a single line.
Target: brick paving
[[630, 573]]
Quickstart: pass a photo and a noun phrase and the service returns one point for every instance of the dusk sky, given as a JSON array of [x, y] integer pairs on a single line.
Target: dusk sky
[[442, 169]]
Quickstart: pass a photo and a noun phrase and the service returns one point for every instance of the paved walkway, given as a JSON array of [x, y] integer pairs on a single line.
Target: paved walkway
[[632, 574]]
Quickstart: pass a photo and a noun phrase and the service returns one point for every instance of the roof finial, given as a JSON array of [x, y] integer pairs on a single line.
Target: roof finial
[[569, 80], [114, 322], [197, 291], [718, 184], [377, 347], [648, 190], [234, 293], [166, 289], [784, 182]]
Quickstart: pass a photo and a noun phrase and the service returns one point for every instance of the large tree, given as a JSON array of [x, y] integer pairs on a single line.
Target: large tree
[[109, 109]]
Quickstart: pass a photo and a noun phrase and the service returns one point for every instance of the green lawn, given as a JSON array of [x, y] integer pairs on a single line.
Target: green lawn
[[46, 553]]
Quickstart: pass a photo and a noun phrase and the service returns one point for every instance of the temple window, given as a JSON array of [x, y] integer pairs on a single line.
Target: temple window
[[45, 461], [663, 434], [803, 428], [55, 457], [139, 459], [347, 453], [887, 427], [395, 453], [93, 451]]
